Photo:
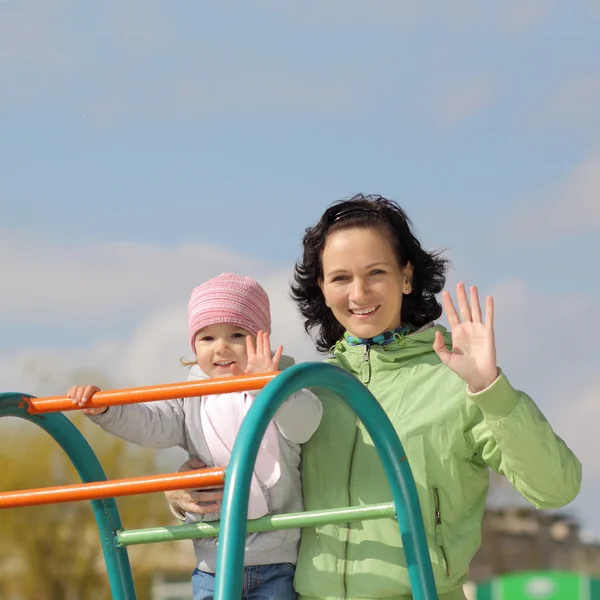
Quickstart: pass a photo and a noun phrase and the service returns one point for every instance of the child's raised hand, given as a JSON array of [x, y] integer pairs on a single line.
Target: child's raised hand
[[260, 359], [80, 394]]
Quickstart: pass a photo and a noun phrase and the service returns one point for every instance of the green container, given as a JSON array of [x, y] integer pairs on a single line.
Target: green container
[[540, 585]]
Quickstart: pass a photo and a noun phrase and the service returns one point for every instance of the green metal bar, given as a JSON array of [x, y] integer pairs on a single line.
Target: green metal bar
[[151, 535], [230, 557], [89, 468]]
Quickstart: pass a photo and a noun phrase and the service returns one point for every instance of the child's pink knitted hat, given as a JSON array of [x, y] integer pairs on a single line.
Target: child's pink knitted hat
[[229, 298]]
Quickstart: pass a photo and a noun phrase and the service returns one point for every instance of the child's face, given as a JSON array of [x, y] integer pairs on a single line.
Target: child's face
[[218, 347]]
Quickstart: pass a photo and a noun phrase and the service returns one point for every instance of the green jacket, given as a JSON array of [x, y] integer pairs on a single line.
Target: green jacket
[[450, 437]]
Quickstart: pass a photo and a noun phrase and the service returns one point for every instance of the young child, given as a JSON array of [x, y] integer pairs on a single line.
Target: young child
[[229, 327]]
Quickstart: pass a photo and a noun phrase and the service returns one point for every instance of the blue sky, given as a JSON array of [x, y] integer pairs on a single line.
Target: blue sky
[[145, 146]]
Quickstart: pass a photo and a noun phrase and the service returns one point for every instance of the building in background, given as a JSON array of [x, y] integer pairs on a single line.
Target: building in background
[[527, 554]]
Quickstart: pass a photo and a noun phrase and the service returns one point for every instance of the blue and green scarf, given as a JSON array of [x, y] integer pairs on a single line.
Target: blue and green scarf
[[383, 339]]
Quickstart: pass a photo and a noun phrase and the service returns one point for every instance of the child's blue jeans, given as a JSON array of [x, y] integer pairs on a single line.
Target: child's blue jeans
[[261, 582]]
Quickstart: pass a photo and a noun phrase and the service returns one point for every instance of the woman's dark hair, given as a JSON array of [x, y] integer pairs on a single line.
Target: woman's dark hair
[[418, 308]]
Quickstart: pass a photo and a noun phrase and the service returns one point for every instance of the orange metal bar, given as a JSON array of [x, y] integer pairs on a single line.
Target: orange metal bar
[[201, 478], [168, 391]]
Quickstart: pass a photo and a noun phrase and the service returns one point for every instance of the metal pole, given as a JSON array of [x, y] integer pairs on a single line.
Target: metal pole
[[312, 518], [167, 391], [202, 478]]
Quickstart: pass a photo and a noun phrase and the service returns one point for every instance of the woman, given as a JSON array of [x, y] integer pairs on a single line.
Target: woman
[[366, 289]]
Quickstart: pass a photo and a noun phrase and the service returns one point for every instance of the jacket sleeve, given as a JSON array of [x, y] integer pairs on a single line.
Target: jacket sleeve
[[515, 439], [299, 417], [152, 425]]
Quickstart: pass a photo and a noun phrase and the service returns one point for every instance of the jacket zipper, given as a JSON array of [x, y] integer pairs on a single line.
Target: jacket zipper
[[365, 373], [438, 529], [347, 543]]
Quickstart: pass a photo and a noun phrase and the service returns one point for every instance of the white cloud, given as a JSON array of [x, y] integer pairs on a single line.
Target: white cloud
[[578, 421], [592, 8], [547, 338], [510, 16], [261, 90], [54, 281], [139, 26], [41, 35], [36, 33], [153, 352], [32, 34], [460, 100], [343, 13], [232, 84], [572, 105], [547, 346], [522, 16], [210, 80], [581, 426], [572, 207], [49, 370]]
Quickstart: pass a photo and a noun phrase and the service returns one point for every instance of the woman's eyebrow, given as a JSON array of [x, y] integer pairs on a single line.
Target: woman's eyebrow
[[377, 263]]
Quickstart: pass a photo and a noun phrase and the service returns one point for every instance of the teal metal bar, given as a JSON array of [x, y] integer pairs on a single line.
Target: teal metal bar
[[151, 535], [89, 468], [230, 557]]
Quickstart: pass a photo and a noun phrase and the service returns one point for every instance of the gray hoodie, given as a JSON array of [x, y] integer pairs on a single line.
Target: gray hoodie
[[170, 423]]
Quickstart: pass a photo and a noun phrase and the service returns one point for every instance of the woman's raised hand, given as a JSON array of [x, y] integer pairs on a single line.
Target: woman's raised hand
[[473, 354]]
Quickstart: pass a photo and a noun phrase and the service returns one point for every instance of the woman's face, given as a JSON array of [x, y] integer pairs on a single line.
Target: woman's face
[[363, 283]]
